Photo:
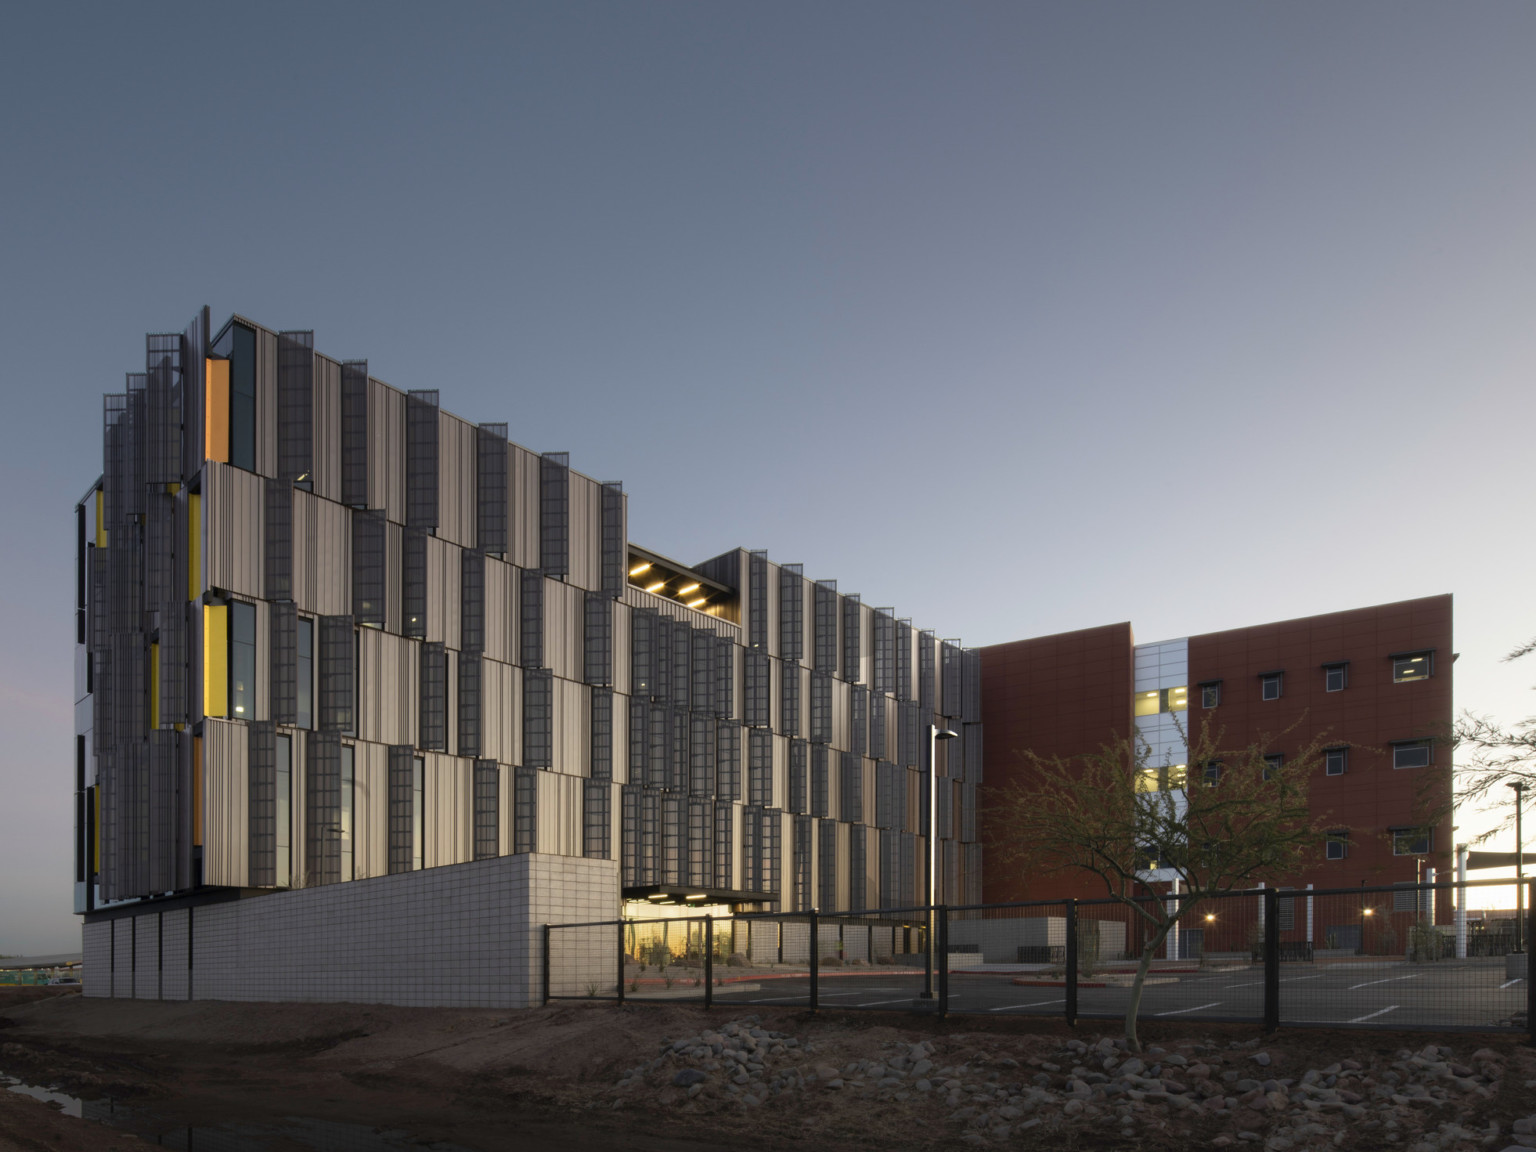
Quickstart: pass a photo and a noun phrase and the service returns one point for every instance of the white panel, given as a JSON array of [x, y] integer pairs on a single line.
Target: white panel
[[523, 507], [322, 556], [572, 755], [386, 450], [448, 809], [559, 820], [500, 610], [388, 691], [445, 572], [226, 789], [326, 429], [371, 810], [234, 513]]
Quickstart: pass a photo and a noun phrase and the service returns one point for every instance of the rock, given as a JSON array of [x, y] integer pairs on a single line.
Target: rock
[[922, 1067], [1072, 1108], [826, 1072], [1176, 1060], [835, 1083], [688, 1076], [1132, 1067], [924, 1086], [1261, 1059], [1524, 1125]]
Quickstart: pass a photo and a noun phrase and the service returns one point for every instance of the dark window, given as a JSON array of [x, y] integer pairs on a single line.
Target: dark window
[[354, 433], [597, 820], [296, 408], [538, 718], [413, 583], [241, 351], [282, 808], [472, 600], [1412, 841], [418, 812], [1335, 761], [554, 513], [1210, 694], [1272, 765], [304, 673], [1335, 677], [368, 566], [1412, 753], [432, 689], [421, 451], [1212, 772], [487, 812], [323, 809], [242, 660], [1408, 666], [491, 488], [1271, 684], [1337, 844], [791, 612]]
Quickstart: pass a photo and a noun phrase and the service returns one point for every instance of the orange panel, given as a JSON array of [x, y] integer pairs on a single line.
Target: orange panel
[[216, 411]]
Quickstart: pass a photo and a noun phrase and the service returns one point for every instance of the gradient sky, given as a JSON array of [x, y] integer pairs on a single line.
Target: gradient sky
[[1017, 317]]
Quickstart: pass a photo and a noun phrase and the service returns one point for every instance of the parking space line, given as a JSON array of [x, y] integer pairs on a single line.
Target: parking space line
[[877, 1003], [1181, 1011], [1031, 1004], [1388, 980], [1287, 980], [1372, 1015]]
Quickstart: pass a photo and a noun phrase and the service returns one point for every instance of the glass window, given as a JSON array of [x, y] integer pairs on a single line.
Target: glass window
[[1212, 772], [1168, 778], [1338, 844], [1412, 666], [1335, 677], [242, 660], [284, 812], [1156, 700], [1147, 703], [237, 344], [1271, 684], [1272, 765], [1412, 754], [348, 775], [1335, 761], [305, 674], [1412, 841], [418, 812], [1210, 695]]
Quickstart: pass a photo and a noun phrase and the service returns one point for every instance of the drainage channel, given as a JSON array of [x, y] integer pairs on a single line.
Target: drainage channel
[[235, 1136]]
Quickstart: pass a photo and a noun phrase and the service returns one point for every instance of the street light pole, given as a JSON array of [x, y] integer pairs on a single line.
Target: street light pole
[[931, 857], [1519, 787]]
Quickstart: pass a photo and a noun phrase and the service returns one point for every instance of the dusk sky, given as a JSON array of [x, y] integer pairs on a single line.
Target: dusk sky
[[1192, 314]]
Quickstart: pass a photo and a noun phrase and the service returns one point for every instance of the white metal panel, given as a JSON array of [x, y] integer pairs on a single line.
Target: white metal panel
[[586, 525], [523, 507], [456, 480], [444, 576], [572, 753], [448, 800], [322, 555], [234, 510], [326, 436], [564, 628], [386, 450], [560, 808], [226, 792], [370, 810], [388, 692], [500, 610]]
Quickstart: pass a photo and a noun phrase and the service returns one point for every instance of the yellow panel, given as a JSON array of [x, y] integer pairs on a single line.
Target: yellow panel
[[216, 411], [154, 685], [194, 546], [101, 519], [215, 660]]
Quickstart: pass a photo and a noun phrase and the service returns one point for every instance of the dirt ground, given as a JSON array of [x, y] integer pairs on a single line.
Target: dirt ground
[[549, 1078]]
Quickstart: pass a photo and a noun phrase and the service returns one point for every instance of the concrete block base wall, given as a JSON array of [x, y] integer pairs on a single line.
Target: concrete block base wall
[[464, 935]]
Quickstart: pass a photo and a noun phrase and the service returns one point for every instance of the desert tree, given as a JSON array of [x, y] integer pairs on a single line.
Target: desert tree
[[1230, 818], [1490, 755]]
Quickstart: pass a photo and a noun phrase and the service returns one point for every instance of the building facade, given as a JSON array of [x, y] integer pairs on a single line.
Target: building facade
[[337, 649], [1373, 683]]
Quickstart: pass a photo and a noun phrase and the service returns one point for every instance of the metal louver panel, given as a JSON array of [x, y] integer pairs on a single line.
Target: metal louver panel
[[858, 720], [601, 734], [491, 450], [642, 651], [970, 675], [278, 533], [680, 664], [472, 600], [614, 554], [650, 837], [883, 678], [926, 659], [525, 810], [322, 815], [759, 766], [432, 686], [160, 589], [173, 666], [968, 812], [402, 803], [821, 781], [659, 759], [469, 704], [597, 820], [672, 839], [555, 513], [283, 662], [421, 451], [164, 770], [531, 620], [639, 739], [851, 802], [852, 649], [338, 674], [354, 433], [163, 408], [368, 577], [296, 408], [699, 852], [974, 757], [725, 844], [825, 627], [261, 761], [949, 671], [678, 762], [725, 678], [702, 693], [791, 612], [858, 868], [487, 808], [757, 600], [789, 700], [821, 707], [798, 784], [413, 583], [752, 849], [909, 721], [755, 707], [701, 755], [903, 659], [826, 888], [800, 853], [597, 640], [194, 349], [661, 688], [629, 835], [877, 741], [538, 718], [728, 761]]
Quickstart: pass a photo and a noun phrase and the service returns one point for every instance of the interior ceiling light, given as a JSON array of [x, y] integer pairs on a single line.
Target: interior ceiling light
[[657, 587], [640, 569], [688, 589], [696, 603], [697, 896]]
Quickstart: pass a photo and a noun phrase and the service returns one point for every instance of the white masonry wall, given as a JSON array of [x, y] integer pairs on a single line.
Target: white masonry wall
[[464, 935]]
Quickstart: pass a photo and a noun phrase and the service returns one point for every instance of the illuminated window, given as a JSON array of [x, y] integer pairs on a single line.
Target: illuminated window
[[1157, 700], [1412, 753], [1335, 761], [1412, 841], [1210, 694], [1337, 844], [1271, 684], [242, 660], [1408, 666], [1335, 677], [1168, 778]]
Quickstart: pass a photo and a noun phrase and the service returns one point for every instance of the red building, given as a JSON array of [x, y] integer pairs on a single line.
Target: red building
[[1374, 683]]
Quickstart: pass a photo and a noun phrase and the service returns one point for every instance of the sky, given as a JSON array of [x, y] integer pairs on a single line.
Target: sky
[[1016, 317]]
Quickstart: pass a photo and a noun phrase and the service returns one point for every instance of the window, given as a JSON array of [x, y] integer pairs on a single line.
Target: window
[[1335, 761], [1412, 841], [348, 775], [418, 812], [283, 763], [304, 661], [242, 660], [1336, 846], [1212, 773], [1271, 684], [1272, 765], [1335, 677], [1167, 778], [1408, 666], [1412, 753], [1210, 694], [237, 344], [1157, 700]]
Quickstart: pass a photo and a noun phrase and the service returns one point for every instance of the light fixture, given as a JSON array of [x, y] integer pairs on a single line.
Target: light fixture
[[688, 589], [1367, 911], [696, 603], [697, 896], [657, 587], [657, 896], [640, 569], [1209, 916]]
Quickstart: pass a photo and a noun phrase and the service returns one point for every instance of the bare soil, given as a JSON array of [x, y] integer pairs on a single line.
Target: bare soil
[[548, 1078]]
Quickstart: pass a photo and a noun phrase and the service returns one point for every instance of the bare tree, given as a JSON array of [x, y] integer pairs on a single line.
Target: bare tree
[[1237, 818], [1490, 755]]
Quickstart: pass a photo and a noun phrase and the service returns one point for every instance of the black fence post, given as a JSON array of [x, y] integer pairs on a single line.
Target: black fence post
[[621, 961], [709, 961], [1071, 973], [1271, 960], [815, 964], [545, 977], [941, 958], [1530, 986]]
